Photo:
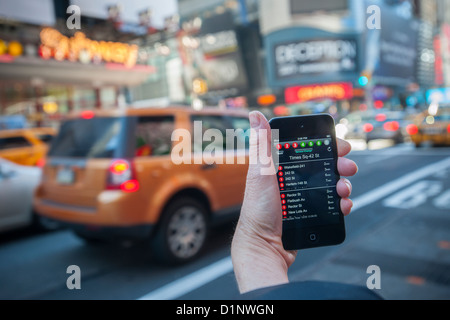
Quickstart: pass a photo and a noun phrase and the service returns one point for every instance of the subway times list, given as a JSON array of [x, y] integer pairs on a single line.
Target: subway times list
[[307, 181]]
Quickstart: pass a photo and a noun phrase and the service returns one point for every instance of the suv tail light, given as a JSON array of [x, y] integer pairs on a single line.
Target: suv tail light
[[122, 176]]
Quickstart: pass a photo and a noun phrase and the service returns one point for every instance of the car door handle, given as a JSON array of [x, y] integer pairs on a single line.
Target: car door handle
[[208, 166]]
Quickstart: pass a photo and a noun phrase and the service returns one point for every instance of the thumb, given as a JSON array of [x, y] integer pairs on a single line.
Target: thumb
[[262, 205], [260, 153]]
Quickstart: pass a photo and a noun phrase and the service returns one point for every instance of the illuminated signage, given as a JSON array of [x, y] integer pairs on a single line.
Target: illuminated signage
[[237, 102], [333, 91], [304, 58], [199, 86], [12, 48], [266, 100], [438, 95], [219, 43], [78, 47]]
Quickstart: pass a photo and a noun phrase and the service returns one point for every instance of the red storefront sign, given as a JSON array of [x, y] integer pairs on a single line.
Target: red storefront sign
[[333, 91], [438, 63]]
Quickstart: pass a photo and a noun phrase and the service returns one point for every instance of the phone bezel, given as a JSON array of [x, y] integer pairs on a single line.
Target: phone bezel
[[308, 126]]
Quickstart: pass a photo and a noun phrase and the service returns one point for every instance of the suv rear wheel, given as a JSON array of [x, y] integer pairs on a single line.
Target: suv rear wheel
[[182, 232]]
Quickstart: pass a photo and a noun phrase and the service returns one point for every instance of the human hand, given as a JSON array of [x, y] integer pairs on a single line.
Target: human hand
[[259, 259]]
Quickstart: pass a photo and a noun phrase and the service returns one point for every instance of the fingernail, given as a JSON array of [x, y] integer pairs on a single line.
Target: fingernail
[[349, 185], [254, 120]]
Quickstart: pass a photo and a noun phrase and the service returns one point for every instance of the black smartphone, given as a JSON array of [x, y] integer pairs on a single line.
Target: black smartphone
[[304, 149]]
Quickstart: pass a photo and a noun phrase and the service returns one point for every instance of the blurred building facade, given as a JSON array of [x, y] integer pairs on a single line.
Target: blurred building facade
[[216, 56], [54, 59], [298, 56], [442, 43], [427, 12], [349, 54], [286, 56]]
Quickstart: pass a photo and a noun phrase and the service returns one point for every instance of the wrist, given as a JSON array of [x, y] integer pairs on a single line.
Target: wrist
[[259, 263]]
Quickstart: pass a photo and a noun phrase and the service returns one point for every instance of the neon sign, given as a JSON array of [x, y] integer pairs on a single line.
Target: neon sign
[[56, 45], [333, 91]]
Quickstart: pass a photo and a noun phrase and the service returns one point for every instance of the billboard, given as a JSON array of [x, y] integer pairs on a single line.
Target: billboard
[[312, 57], [303, 55], [391, 51], [129, 10], [308, 6], [220, 63]]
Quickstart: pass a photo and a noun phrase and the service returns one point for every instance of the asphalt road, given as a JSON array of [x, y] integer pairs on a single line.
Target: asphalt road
[[400, 224]]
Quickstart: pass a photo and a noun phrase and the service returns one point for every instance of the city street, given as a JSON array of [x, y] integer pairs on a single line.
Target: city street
[[125, 142], [400, 222]]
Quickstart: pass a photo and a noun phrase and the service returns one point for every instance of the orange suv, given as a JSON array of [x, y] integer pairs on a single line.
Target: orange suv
[[110, 174]]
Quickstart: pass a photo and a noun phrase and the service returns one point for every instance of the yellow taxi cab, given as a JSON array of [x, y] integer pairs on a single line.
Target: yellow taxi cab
[[25, 146], [431, 128], [112, 175]]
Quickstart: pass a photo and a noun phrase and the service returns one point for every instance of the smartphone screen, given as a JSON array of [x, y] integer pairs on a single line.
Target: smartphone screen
[[307, 175]]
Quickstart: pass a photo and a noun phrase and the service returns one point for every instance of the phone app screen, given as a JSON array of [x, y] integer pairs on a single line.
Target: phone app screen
[[307, 180]]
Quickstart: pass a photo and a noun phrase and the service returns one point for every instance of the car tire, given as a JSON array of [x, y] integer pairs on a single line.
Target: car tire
[[182, 232]]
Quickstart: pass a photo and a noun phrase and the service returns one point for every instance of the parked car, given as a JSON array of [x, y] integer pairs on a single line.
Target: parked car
[[110, 175], [17, 185], [431, 128], [26, 146]]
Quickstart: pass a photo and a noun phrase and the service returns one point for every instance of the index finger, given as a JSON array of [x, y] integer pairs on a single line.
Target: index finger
[[344, 147]]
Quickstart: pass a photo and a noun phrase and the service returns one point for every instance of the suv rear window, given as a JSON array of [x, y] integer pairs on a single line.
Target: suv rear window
[[210, 122], [239, 126], [13, 142], [153, 136], [88, 138], [242, 127]]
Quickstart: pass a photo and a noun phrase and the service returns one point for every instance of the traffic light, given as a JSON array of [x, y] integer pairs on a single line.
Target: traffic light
[[363, 81], [365, 78]]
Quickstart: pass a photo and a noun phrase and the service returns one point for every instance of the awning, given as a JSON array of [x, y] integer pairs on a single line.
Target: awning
[[25, 69]]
